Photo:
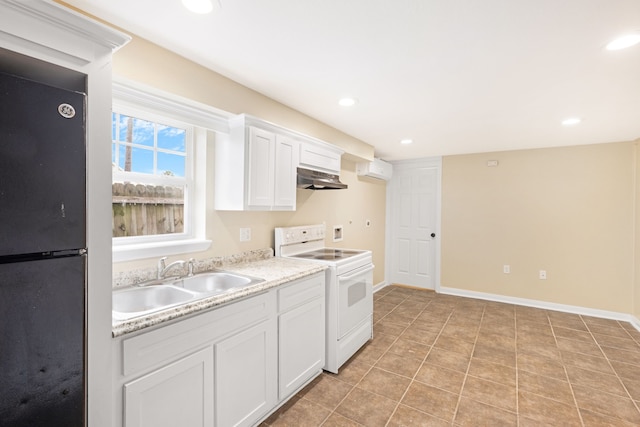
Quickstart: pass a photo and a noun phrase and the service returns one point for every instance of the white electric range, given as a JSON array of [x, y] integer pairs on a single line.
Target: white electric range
[[349, 289]]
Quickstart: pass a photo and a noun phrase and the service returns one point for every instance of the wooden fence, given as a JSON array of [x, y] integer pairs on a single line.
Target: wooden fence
[[144, 210]]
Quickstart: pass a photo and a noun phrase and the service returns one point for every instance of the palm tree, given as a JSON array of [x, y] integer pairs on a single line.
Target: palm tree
[[127, 153]]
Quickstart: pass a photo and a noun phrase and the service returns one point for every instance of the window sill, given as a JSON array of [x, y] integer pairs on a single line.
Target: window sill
[[158, 249]]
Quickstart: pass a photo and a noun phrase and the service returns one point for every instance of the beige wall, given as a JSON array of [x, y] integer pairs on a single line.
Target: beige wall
[[363, 200], [151, 65], [569, 211], [148, 63]]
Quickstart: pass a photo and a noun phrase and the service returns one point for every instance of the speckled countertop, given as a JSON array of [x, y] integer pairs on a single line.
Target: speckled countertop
[[276, 271]]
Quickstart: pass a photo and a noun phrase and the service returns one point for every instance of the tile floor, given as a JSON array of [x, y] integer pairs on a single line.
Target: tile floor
[[442, 360]]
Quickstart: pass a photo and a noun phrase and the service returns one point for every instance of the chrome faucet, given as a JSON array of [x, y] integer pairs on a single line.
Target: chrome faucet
[[162, 269], [191, 267]]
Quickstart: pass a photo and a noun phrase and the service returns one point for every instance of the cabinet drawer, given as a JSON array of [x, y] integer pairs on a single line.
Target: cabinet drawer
[[301, 292], [166, 343]]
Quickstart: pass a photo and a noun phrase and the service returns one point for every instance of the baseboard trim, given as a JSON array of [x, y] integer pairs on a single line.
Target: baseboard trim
[[604, 314], [634, 322], [380, 286]]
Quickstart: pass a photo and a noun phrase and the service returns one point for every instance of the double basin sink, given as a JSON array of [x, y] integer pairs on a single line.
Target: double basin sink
[[159, 295]]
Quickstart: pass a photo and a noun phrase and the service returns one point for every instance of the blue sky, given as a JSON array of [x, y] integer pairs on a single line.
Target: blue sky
[[169, 138]]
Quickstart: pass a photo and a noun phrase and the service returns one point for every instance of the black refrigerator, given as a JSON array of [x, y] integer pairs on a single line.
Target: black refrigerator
[[42, 254]]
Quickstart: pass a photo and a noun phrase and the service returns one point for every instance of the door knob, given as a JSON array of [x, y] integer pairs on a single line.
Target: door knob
[[433, 234]]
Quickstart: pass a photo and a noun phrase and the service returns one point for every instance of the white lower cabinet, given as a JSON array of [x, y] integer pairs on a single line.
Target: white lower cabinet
[[187, 384], [228, 366], [301, 341], [245, 374]]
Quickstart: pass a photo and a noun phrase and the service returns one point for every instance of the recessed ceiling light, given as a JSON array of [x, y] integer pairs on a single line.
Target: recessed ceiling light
[[348, 102], [198, 6], [624, 42], [571, 121], [406, 141]]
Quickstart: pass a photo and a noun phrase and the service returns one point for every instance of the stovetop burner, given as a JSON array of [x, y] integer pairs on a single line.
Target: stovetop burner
[[307, 243], [328, 254]]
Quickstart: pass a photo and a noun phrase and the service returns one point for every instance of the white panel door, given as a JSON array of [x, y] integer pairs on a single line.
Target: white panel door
[[413, 207]]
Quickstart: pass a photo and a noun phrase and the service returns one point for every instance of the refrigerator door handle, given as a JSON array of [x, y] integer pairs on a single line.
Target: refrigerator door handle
[[70, 252]]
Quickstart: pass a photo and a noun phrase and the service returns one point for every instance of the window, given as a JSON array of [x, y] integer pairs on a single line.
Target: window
[[158, 157], [152, 176]]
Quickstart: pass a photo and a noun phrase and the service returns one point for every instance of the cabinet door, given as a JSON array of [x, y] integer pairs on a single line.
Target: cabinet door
[[301, 345], [286, 162], [320, 157], [179, 394], [261, 146], [246, 375]]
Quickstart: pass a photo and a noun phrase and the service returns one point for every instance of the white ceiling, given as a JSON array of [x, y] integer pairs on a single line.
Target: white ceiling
[[456, 76]]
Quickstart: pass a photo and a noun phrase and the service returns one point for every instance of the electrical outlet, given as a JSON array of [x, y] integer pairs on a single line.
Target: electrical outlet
[[506, 269], [245, 234], [337, 233], [543, 275]]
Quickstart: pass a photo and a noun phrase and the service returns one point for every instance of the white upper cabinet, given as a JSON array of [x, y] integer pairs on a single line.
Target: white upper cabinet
[[321, 157], [286, 163], [260, 173], [255, 168], [256, 164]]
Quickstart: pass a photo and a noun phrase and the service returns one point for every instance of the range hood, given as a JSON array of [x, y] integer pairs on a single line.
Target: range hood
[[315, 180]]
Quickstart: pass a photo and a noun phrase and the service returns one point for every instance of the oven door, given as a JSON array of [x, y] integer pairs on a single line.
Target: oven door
[[355, 298]]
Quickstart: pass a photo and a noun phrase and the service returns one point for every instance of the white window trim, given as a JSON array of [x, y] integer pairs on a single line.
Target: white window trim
[[132, 96], [136, 95]]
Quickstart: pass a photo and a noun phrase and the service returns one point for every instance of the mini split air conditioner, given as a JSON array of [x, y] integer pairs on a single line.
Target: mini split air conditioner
[[378, 169]]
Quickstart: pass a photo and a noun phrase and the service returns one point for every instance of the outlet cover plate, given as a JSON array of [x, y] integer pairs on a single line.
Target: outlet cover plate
[[337, 233]]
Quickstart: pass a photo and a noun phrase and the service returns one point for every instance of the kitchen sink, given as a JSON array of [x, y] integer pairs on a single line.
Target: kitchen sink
[[159, 295], [215, 282], [139, 301]]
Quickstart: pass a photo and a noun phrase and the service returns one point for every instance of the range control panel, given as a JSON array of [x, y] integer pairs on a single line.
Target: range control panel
[[300, 234]]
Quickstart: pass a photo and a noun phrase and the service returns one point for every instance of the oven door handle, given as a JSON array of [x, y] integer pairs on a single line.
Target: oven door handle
[[357, 273]]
